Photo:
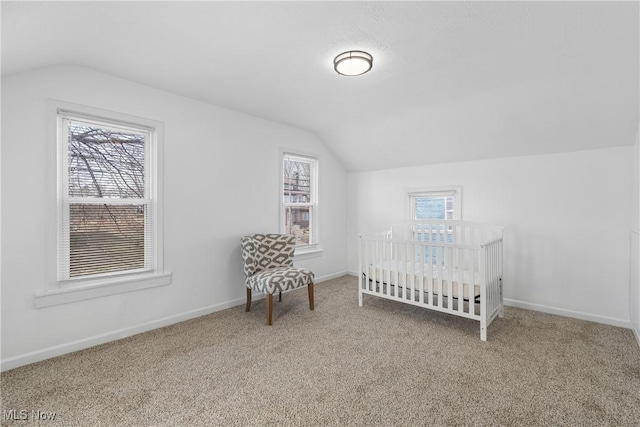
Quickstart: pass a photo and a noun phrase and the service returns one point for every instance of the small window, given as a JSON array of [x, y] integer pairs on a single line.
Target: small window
[[106, 204], [299, 198], [436, 203], [441, 203]]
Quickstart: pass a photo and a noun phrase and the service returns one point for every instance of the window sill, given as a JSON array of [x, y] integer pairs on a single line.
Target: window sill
[[306, 253], [101, 288]]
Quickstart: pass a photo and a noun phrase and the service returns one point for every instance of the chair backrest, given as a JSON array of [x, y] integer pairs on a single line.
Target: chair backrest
[[264, 251]]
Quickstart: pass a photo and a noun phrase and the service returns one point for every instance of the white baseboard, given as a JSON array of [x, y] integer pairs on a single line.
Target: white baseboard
[[326, 277], [636, 332], [61, 349], [568, 313]]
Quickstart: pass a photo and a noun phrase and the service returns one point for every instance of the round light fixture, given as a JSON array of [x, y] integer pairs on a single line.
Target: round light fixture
[[353, 63]]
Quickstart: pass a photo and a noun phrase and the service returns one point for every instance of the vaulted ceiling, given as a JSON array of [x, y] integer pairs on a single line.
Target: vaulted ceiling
[[451, 81]]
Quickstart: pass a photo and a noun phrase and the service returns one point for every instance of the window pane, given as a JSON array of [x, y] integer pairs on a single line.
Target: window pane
[[106, 238], [105, 162], [297, 181], [297, 223], [431, 208]]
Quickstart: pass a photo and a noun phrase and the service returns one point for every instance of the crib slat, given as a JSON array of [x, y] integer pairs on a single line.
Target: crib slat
[[439, 267], [391, 287], [472, 283], [397, 273], [370, 263], [414, 272], [483, 293], [400, 264], [374, 265], [384, 283], [449, 262], [367, 263], [489, 277], [421, 254], [400, 270], [497, 273], [394, 271], [461, 280], [376, 258], [409, 265], [496, 284], [406, 275], [429, 273], [406, 270], [495, 277]]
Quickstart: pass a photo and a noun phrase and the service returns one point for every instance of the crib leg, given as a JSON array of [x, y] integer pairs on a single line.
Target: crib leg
[[483, 330], [501, 308], [360, 297]]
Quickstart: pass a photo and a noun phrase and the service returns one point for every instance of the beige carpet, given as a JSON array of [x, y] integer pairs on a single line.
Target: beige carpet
[[383, 364]]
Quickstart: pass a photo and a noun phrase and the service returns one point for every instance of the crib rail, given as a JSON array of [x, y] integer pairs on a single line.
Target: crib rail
[[446, 231], [448, 267]]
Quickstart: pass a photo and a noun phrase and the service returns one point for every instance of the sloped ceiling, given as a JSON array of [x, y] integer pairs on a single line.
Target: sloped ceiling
[[451, 81]]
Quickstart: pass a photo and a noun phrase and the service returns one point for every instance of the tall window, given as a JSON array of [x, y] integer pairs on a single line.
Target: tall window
[[106, 209], [437, 203], [299, 199]]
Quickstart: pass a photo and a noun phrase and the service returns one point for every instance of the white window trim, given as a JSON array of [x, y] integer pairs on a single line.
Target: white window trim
[[413, 192], [314, 249], [63, 292]]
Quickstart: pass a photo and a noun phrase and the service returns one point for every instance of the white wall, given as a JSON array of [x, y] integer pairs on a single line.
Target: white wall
[[634, 282], [566, 219], [221, 182]]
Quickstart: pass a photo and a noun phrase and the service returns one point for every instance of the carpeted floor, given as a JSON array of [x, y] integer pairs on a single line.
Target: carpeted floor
[[383, 364]]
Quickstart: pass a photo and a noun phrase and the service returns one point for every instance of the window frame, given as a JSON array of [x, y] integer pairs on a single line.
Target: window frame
[[414, 193], [314, 245], [65, 201], [62, 291]]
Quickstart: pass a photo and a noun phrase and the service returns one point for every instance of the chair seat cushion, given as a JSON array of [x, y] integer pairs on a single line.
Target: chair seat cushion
[[280, 279]]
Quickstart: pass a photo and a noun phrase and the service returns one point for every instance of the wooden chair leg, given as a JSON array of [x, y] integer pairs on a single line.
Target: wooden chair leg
[[269, 308], [310, 288], [280, 297], [248, 307]]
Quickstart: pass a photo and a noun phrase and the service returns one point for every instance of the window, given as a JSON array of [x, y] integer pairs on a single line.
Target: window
[[439, 203], [435, 203], [299, 199], [105, 213], [106, 200]]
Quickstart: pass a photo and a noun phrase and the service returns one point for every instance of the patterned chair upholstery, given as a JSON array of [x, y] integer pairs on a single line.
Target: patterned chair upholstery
[[268, 268]]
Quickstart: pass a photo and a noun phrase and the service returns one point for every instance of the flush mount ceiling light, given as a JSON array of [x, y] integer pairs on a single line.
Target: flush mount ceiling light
[[353, 63]]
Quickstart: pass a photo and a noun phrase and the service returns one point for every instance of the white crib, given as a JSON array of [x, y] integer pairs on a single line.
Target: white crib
[[450, 266]]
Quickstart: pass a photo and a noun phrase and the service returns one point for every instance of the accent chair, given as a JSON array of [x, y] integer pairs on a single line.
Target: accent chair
[[268, 268]]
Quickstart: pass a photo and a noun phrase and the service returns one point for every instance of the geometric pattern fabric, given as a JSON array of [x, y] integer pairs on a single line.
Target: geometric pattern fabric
[[268, 263], [280, 279]]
